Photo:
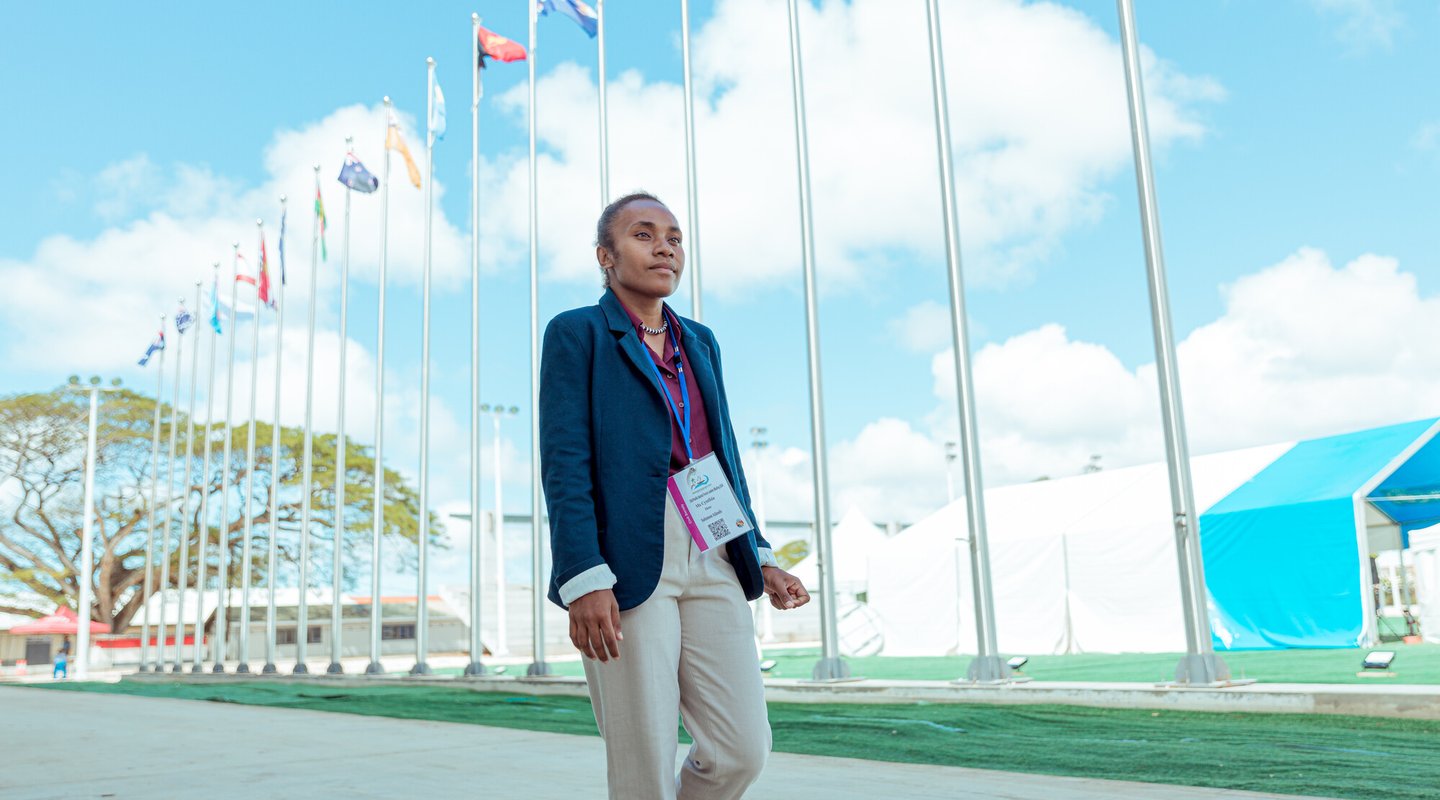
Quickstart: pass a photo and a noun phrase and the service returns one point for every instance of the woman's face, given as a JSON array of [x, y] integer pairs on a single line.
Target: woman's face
[[648, 257]]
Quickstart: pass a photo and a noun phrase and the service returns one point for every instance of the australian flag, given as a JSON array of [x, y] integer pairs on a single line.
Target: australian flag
[[158, 344], [355, 176]]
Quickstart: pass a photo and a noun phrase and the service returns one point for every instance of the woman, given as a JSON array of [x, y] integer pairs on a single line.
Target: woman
[[631, 394]]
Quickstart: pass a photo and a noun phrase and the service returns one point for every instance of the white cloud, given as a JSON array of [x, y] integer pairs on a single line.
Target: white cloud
[[1034, 138], [1303, 349], [1363, 24], [1427, 138], [924, 327]]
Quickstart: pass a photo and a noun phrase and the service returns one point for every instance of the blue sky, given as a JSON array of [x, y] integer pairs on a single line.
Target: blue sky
[[1297, 145]]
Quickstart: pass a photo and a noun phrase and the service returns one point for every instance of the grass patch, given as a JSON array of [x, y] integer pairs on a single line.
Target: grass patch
[[1334, 756], [1414, 664]]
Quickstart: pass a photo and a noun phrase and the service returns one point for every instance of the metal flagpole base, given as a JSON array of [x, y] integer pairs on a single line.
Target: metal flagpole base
[[142, 668], [1202, 669], [218, 668], [988, 669], [420, 668], [334, 669], [830, 669], [538, 669], [300, 669], [177, 669], [475, 668], [375, 669], [268, 669], [242, 668], [197, 669]]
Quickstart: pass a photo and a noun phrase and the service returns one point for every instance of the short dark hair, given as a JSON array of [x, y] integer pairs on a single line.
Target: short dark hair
[[604, 237]]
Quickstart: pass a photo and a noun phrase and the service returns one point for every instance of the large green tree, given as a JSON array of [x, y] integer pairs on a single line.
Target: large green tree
[[42, 473]]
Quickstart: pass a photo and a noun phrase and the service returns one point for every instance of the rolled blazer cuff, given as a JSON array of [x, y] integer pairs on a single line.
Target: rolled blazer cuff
[[767, 557], [591, 580]]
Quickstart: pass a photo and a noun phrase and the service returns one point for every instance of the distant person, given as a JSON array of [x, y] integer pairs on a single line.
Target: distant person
[[62, 660], [630, 395]]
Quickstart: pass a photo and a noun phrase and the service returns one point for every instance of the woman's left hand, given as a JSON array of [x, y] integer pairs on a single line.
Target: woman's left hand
[[785, 590]]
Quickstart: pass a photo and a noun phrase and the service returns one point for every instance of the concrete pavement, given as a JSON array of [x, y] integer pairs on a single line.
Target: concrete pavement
[[70, 745]]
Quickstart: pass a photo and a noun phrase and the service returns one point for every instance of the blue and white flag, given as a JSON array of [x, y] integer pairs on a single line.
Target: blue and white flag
[[437, 114], [355, 176], [215, 304], [157, 345], [184, 320], [281, 246], [583, 15]]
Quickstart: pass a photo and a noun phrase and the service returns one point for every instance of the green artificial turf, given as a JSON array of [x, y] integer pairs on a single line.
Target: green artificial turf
[[1418, 664], [1413, 664], [1332, 756]]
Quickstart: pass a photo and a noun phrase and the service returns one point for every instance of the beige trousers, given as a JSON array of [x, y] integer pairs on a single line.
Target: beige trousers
[[689, 651]]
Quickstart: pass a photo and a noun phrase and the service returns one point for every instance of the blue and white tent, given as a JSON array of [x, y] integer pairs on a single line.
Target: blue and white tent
[[1287, 555], [1087, 563]]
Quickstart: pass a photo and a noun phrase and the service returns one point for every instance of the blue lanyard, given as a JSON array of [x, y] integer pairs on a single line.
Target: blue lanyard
[[683, 420]]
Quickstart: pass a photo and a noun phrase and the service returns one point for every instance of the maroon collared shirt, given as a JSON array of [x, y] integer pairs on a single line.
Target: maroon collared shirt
[[699, 423]]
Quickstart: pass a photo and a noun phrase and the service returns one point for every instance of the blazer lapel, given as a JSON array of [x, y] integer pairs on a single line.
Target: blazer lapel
[[628, 340]]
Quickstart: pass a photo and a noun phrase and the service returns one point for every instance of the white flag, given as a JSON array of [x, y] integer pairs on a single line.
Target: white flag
[[437, 114]]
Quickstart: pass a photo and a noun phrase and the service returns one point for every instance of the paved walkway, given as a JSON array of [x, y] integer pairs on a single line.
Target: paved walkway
[[73, 745]]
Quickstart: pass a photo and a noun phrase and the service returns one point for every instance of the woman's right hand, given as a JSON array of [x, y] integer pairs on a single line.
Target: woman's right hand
[[595, 625]]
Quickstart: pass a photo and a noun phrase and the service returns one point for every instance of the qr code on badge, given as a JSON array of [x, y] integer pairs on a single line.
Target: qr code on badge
[[718, 530]]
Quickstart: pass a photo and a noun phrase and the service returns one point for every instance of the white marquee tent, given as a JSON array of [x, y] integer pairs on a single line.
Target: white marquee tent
[[1079, 564]]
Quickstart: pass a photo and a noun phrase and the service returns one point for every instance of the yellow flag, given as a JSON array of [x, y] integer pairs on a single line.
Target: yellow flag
[[394, 142]]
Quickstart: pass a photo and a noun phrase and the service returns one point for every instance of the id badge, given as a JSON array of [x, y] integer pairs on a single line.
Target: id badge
[[707, 504]]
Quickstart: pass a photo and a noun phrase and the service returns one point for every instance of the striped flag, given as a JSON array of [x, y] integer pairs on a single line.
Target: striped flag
[[583, 15], [155, 346], [320, 220], [262, 289], [394, 142]]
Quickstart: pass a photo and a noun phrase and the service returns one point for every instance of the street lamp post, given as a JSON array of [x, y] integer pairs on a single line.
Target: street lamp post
[[950, 456], [757, 444], [87, 535], [496, 412]]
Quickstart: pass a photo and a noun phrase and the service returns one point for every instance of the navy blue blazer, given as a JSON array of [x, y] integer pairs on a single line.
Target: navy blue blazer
[[605, 450]]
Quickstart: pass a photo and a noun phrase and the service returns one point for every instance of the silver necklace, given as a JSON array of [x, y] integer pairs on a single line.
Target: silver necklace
[[664, 327]]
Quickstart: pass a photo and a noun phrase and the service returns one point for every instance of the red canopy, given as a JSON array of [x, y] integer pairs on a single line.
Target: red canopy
[[62, 621]]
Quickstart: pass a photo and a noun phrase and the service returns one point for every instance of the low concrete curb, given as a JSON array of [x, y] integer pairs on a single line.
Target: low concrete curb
[[1405, 701]]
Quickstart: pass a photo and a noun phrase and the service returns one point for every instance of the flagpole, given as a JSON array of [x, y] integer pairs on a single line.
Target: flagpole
[[145, 665], [831, 666], [185, 497], [477, 648], [537, 540], [692, 192], [248, 537], [604, 115], [272, 555], [422, 606], [222, 544], [1201, 664], [337, 622], [195, 652], [378, 509], [169, 501], [987, 666], [307, 490]]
